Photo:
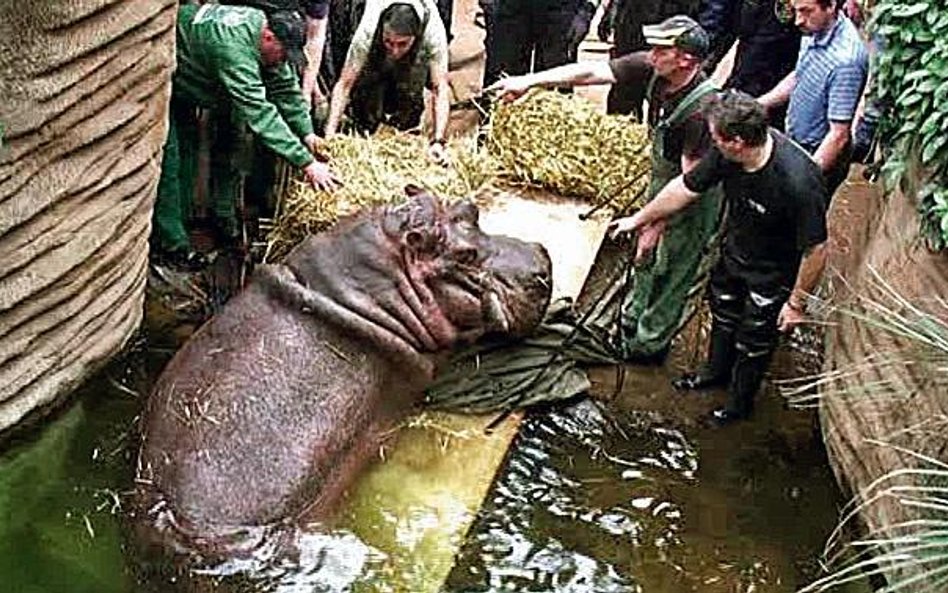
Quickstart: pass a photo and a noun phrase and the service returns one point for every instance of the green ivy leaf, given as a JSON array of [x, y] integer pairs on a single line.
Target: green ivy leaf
[[910, 10]]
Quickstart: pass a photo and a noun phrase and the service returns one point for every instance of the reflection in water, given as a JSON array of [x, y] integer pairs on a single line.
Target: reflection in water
[[578, 499], [588, 500]]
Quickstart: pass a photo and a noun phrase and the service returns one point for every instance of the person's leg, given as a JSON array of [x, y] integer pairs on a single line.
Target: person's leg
[[227, 173], [168, 231], [446, 12], [624, 98], [657, 310], [509, 51], [550, 29], [755, 341], [726, 296]]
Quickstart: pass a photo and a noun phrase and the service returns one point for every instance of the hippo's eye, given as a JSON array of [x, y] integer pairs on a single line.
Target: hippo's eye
[[466, 256]]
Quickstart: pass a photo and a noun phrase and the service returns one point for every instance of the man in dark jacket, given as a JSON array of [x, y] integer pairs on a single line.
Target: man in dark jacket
[[754, 43]]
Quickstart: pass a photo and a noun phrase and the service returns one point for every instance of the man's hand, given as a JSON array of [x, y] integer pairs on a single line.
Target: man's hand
[[313, 143], [510, 88], [579, 26], [790, 316], [321, 176], [622, 225], [438, 153], [649, 236]]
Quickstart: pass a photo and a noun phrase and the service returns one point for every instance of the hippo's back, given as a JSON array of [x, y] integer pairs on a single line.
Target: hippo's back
[[249, 413]]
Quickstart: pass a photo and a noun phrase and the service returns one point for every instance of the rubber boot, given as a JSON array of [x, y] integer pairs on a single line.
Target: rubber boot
[[717, 370], [746, 378]]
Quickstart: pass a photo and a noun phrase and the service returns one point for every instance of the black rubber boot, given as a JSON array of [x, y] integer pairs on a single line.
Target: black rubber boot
[[717, 371], [746, 378]]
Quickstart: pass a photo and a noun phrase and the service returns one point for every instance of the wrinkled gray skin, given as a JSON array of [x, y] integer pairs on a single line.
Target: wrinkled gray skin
[[269, 411]]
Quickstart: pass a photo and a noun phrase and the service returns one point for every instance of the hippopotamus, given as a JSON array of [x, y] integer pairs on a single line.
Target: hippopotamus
[[268, 412]]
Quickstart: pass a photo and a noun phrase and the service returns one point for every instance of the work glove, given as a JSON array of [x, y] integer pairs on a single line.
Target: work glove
[[608, 22], [579, 26]]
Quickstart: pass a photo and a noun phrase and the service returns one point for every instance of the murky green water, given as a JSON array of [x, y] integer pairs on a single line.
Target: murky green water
[[591, 498]]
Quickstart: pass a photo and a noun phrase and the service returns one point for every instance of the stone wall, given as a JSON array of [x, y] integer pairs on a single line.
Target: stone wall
[[84, 87], [894, 392]]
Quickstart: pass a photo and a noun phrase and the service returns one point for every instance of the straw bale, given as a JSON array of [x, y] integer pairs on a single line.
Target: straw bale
[[563, 143], [375, 171]]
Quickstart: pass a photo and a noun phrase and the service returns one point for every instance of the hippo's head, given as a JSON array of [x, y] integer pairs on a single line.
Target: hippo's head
[[482, 283]]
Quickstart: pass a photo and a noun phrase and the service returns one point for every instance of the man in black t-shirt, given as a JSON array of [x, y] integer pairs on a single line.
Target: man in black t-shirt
[[774, 249], [674, 84]]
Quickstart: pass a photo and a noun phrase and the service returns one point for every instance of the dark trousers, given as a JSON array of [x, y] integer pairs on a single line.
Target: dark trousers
[[743, 333], [522, 34], [446, 12]]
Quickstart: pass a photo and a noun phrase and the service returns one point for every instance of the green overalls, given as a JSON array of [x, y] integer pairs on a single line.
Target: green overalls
[[653, 310], [219, 68]]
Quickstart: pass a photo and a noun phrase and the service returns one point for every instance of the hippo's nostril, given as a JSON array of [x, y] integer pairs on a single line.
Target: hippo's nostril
[[466, 256]]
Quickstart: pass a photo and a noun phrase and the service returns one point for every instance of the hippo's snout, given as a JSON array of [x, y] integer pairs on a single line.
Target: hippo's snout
[[522, 283]]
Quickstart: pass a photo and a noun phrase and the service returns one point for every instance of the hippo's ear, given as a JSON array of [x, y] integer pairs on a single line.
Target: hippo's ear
[[465, 211], [412, 190]]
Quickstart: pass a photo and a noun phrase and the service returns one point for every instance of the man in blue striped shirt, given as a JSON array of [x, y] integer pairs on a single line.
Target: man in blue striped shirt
[[825, 87]]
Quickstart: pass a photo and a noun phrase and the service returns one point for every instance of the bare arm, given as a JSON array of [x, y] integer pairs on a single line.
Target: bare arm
[[780, 94], [832, 145], [809, 273], [578, 74], [315, 42], [722, 72], [441, 100], [672, 198], [340, 97]]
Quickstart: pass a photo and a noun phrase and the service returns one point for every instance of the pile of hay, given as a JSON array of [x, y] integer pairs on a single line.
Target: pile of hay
[[547, 139], [564, 144], [375, 171]]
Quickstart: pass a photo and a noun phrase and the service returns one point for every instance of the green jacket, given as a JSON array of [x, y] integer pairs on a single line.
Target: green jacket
[[219, 64]]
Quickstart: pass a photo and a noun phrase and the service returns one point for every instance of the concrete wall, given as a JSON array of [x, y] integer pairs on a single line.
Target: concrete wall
[[84, 87]]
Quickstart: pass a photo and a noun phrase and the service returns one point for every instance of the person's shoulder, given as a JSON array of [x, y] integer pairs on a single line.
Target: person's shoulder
[[851, 47], [631, 65], [794, 164]]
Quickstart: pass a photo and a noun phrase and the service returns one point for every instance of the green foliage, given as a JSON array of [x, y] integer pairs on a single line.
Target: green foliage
[[911, 81]]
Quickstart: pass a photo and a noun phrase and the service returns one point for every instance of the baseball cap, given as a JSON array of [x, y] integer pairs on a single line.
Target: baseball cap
[[289, 28], [679, 31]]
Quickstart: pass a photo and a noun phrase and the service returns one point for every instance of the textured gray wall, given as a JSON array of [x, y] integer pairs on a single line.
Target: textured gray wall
[[84, 88]]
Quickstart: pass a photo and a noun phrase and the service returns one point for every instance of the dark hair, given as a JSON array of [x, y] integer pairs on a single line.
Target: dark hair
[[737, 115], [401, 19]]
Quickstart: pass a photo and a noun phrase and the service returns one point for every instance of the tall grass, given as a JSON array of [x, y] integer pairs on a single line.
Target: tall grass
[[911, 554]]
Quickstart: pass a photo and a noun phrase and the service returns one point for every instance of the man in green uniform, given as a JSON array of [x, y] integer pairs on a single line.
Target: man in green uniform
[[231, 59], [675, 86]]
